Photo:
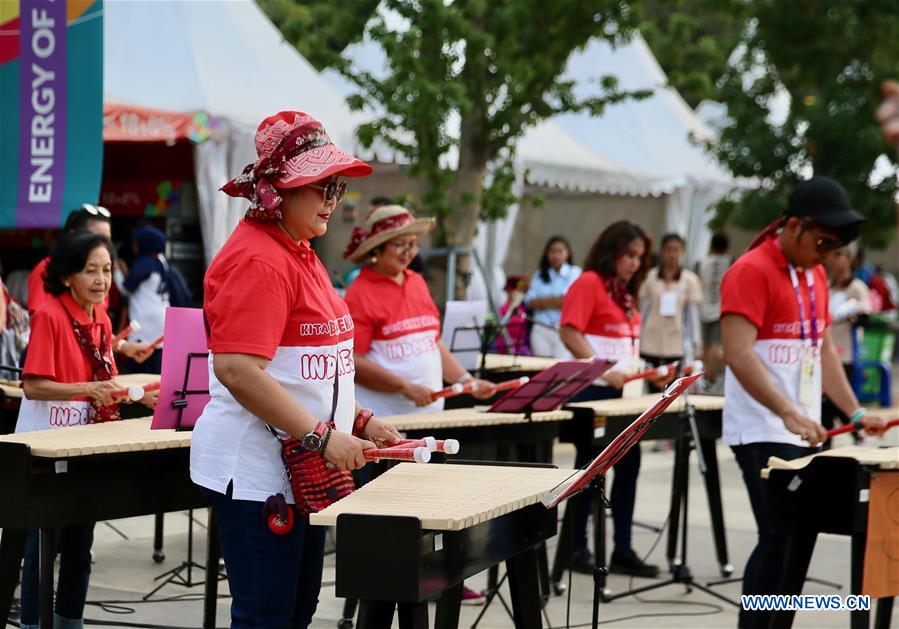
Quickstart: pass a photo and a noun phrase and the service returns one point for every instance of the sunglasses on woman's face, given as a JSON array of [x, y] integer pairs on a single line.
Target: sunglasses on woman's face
[[332, 190], [95, 210]]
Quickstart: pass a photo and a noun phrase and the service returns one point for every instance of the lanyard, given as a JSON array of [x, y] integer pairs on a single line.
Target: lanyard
[[813, 323]]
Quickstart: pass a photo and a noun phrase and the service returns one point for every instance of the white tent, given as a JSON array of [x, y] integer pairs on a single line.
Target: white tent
[[656, 136], [222, 58]]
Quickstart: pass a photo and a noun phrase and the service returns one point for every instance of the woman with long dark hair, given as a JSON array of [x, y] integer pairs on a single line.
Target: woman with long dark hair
[[545, 294], [600, 320]]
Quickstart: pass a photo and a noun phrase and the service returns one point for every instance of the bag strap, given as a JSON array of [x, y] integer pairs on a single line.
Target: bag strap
[[335, 398]]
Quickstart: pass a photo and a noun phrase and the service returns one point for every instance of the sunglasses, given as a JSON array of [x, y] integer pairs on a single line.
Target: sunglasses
[[823, 244], [332, 190], [95, 210]]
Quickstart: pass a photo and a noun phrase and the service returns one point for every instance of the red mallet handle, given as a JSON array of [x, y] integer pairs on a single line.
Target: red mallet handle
[[855, 427], [661, 371], [156, 343], [153, 386], [425, 442], [446, 446], [472, 385], [133, 326], [419, 455]]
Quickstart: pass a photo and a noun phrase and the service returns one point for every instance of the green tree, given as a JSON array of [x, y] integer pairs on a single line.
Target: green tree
[[320, 29], [692, 40], [492, 66], [829, 56]]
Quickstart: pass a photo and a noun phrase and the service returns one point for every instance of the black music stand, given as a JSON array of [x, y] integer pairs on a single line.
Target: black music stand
[[487, 334], [181, 574], [595, 471], [680, 571], [547, 391]]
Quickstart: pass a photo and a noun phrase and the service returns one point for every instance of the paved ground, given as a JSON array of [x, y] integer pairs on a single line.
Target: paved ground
[[124, 570]]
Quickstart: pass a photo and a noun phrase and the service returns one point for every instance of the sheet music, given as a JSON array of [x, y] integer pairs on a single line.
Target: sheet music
[[464, 344]]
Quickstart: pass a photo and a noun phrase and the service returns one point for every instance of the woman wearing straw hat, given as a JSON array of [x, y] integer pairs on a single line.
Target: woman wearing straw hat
[[281, 345], [400, 359]]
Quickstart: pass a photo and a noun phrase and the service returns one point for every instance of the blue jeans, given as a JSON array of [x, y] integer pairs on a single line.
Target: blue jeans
[[274, 579], [764, 568], [74, 546], [623, 495]]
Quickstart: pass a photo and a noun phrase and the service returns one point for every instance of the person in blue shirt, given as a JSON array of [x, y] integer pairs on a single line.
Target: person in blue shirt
[[544, 297]]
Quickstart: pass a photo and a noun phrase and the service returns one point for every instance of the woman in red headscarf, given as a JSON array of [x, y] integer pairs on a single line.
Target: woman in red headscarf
[[281, 345]]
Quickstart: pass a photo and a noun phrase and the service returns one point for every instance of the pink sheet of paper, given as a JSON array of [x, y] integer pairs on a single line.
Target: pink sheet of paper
[[184, 334]]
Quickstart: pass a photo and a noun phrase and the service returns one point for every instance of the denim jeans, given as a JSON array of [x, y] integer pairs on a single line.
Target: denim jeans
[[74, 547], [764, 567], [274, 579], [623, 495]]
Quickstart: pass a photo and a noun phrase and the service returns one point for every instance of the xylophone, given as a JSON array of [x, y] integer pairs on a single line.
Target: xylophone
[[607, 418], [52, 478], [827, 493], [445, 523], [500, 367]]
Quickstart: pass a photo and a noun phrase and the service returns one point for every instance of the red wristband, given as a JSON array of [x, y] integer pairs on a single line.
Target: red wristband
[[359, 424]]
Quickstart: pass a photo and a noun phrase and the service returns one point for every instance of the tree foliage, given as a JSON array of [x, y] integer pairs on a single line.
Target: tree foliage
[[320, 29], [692, 40], [465, 79], [829, 57]]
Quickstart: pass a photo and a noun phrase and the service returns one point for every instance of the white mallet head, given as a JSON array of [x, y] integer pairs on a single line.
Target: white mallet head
[[451, 446], [523, 380], [430, 443], [422, 455], [458, 388], [135, 394], [663, 371], [135, 326]]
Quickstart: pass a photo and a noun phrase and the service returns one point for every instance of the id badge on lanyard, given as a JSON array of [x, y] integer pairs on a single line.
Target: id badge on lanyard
[[808, 394]]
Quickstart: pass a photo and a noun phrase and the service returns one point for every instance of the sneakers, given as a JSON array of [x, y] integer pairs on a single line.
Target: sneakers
[[627, 562], [470, 597], [582, 562]]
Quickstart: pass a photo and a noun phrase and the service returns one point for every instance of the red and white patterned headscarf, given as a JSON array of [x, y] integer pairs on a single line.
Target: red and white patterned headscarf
[[294, 150]]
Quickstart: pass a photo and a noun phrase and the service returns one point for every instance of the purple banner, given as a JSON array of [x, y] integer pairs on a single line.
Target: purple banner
[[42, 113]]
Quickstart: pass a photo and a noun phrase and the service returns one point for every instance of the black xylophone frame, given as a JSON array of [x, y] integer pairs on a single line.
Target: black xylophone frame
[[552, 388]]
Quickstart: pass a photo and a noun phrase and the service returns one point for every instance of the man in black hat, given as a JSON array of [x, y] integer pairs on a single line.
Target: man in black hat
[[779, 355]]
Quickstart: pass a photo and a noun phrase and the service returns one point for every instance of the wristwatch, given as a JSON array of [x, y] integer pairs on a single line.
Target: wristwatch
[[313, 439]]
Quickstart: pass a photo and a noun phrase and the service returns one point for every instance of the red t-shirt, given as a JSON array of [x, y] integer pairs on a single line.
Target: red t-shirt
[[397, 328], [54, 354], [759, 287], [37, 296], [268, 296], [588, 308]]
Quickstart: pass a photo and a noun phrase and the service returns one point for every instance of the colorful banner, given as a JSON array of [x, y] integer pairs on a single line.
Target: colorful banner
[[51, 109]]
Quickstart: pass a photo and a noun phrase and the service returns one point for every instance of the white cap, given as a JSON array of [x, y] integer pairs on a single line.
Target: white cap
[[430, 443], [422, 455], [457, 388], [135, 394], [451, 446], [134, 325], [663, 370]]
